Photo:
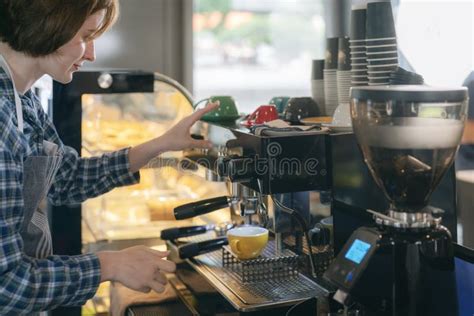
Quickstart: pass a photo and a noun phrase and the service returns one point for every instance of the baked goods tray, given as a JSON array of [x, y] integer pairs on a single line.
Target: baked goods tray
[[255, 295]]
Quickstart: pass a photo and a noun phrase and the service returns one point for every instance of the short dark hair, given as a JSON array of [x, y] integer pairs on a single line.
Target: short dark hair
[[39, 28]]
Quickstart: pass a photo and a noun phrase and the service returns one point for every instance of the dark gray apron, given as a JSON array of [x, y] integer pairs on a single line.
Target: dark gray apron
[[38, 176]]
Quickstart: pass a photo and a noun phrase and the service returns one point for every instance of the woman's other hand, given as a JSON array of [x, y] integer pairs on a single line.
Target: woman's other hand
[[139, 268]]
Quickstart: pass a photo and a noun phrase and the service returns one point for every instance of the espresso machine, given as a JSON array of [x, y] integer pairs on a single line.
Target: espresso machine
[[270, 178], [260, 166], [399, 260]]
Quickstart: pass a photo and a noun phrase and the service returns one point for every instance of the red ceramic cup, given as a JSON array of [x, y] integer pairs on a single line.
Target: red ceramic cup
[[263, 114]]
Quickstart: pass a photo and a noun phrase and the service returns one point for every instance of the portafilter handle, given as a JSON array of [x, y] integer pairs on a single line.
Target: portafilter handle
[[201, 207], [179, 232], [196, 248]]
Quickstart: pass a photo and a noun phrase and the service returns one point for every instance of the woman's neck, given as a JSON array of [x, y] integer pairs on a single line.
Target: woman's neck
[[25, 70]]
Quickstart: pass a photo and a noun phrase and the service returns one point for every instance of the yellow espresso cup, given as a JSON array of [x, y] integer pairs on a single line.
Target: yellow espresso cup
[[247, 242]]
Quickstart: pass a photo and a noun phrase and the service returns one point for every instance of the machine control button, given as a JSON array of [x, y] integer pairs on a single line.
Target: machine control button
[[349, 277]]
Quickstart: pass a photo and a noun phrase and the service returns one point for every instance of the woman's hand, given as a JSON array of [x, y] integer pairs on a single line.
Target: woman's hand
[[139, 268], [177, 138]]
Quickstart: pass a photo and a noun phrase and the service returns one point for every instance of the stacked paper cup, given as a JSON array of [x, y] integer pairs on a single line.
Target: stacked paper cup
[[358, 46], [317, 82], [330, 76], [343, 71], [382, 55]]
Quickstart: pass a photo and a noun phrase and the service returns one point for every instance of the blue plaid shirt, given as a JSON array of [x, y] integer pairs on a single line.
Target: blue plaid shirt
[[28, 284]]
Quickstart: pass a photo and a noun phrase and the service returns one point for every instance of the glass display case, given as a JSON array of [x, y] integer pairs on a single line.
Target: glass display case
[[100, 112]]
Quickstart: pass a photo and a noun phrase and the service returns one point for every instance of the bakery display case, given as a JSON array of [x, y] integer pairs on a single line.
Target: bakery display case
[[100, 112]]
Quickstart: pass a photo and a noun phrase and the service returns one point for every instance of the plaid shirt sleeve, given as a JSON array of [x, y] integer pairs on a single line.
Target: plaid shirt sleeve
[[26, 284], [81, 178]]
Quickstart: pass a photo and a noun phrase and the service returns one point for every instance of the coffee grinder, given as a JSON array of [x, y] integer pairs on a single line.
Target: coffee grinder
[[403, 264]]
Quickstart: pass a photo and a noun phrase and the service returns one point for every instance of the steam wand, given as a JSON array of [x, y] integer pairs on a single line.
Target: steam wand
[[304, 227], [299, 219]]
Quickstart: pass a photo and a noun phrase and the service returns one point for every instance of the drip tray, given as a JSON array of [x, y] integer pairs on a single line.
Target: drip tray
[[268, 265], [253, 295]]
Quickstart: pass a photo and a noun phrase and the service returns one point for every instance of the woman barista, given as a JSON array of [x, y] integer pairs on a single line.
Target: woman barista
[[56, 37]]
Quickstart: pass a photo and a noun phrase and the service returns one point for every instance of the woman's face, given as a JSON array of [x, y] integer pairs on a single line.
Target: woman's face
[[61, 64]]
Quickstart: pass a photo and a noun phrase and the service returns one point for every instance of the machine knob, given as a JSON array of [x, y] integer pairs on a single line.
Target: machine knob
[[241, 169], [236, 168]]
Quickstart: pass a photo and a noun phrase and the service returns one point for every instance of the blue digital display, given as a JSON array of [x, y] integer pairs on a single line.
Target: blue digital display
[[357, 251]]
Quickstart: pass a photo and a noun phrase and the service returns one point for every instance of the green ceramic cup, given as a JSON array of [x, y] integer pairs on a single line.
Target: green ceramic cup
[[227, 111], [280, 103]]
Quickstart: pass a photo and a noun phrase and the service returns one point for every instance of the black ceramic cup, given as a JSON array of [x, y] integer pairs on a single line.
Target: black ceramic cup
[[299, 108]]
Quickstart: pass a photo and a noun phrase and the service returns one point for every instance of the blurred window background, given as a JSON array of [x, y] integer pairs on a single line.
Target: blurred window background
[[254, 50], [437, 38]]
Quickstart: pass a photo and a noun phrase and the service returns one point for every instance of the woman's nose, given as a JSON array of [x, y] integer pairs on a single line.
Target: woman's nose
[[89, 54]]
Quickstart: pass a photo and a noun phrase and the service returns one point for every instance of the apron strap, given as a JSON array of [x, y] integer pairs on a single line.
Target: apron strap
[[19, 112]]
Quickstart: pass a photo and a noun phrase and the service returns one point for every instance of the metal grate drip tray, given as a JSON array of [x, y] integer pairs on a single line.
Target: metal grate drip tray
[[268, 265], [257, 294]]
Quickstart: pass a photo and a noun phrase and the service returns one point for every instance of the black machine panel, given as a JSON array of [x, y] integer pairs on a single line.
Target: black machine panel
[[282, 162]]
